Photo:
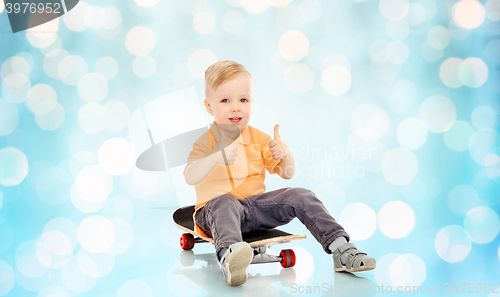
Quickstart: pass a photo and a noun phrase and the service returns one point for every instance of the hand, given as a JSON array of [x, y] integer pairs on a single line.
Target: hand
[[277, 146], [231, 151]]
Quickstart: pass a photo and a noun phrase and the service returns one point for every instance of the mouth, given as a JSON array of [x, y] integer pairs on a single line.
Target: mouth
[[235, 120]]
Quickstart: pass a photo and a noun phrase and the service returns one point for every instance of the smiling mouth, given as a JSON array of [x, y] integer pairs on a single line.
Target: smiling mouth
[[235, 120]]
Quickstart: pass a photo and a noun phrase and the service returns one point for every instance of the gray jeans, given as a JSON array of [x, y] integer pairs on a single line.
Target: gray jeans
[[225, 217]]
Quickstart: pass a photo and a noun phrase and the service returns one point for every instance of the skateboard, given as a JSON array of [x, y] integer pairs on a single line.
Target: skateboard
[[259, 241]]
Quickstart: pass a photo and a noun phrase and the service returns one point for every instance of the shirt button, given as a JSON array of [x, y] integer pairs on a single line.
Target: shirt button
[[236, 159]]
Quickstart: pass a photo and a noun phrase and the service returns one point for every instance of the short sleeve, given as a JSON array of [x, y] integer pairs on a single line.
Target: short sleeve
[[267, 156], [200, 149]]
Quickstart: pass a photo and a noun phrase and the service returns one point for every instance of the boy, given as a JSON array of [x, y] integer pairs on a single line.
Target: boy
[[230, 188]]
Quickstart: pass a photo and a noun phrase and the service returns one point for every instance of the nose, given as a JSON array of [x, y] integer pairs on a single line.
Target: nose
[[235, 107]]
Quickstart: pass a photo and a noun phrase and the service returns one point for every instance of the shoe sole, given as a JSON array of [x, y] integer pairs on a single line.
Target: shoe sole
[[363, 268], [238, 262]]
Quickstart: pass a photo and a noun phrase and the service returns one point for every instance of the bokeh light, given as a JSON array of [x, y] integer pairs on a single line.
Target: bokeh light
[[80, 19], [95, 265], [411, 133], [457, 137], [51, 120], [407, 270], [71, 69], [473, 72], [13, 166], [140, 41], [481, 143], [44, 35], [483, 117], [399, 166], [42, 99], [359, 221], [396, 219], [293, 45], [462, 198], [369, 122], [397, 30], [449, 72], [92, 118], [438, 37], [54, 249], [394, 9], [116, 156], [453, 243], [15, 87], [93, 87], [8, 280], [117, 113], [27, 260], [336, 80], [482, 224], [96, 234], [75, 279], [438, 113], [468, 14], [255, 6]]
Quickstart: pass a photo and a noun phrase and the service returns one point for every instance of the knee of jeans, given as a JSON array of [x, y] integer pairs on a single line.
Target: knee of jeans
[[225, 200], [300, 192], [299, 195]]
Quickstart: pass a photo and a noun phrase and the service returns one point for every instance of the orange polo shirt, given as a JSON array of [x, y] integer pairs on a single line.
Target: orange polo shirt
[[247, 171]]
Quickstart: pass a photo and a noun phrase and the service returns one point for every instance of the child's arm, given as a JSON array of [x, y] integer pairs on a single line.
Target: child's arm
[[196, 172], [286, 168]]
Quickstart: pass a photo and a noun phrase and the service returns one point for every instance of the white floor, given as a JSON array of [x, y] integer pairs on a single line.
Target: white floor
[[199, 273]]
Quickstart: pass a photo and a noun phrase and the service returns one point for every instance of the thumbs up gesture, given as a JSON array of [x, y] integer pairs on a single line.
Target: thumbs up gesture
[[230, 151], [277, 146]]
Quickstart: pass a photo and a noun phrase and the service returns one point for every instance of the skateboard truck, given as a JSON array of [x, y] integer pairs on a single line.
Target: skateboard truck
[[286, 257]]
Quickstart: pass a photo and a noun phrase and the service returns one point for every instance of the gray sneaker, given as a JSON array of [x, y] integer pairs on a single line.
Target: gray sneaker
[[235, 262]]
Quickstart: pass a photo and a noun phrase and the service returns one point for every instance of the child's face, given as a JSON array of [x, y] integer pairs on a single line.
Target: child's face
[[232, 99]]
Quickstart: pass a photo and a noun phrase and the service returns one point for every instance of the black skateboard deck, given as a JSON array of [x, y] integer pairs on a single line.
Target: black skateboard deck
[[183, 219]]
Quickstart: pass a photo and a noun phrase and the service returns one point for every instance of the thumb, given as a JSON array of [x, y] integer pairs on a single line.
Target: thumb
[[276, 133]]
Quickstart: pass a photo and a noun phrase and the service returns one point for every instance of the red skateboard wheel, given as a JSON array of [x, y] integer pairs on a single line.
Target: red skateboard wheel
[[287, 258], [187, 241]]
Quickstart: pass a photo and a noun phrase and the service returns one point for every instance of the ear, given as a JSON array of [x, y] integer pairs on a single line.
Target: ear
[[207, 106]]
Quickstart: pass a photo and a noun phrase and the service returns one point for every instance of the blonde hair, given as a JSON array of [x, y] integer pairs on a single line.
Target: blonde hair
[[221, 72]]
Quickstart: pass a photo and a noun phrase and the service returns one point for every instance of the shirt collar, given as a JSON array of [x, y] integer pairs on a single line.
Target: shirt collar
[[244, 137]]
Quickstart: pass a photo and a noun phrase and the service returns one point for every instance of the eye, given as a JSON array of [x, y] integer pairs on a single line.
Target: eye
[[244, 100], [224, 100]]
